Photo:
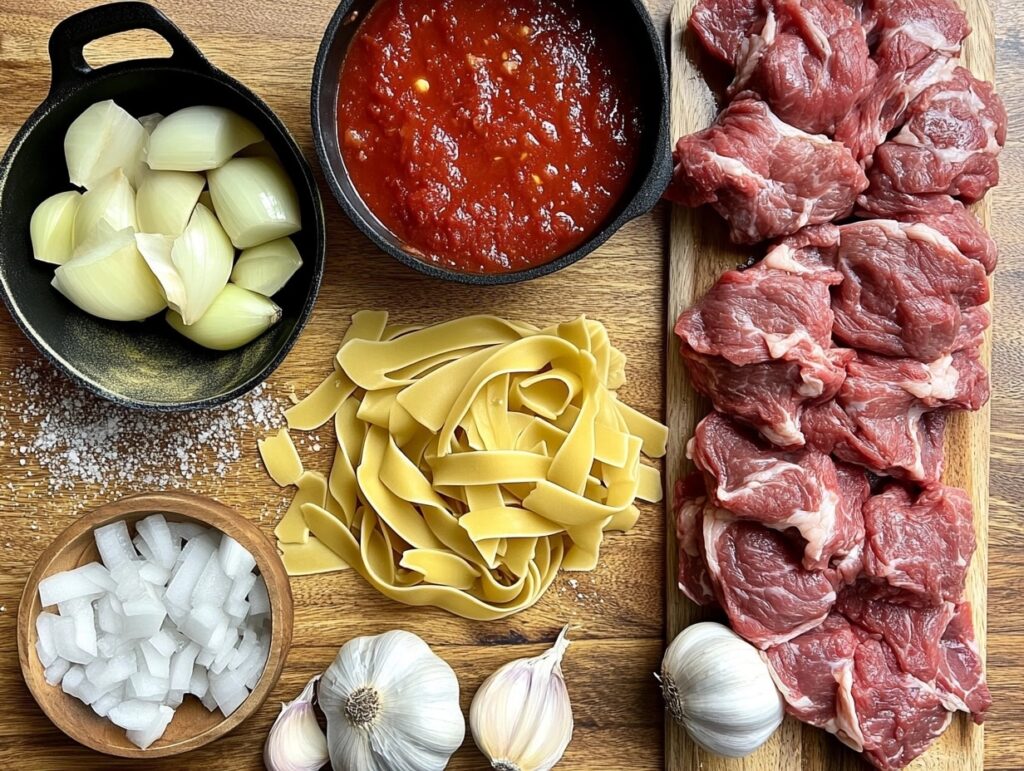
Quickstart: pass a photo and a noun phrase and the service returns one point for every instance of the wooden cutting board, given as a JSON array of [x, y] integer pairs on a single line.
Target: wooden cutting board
[[699, 252]]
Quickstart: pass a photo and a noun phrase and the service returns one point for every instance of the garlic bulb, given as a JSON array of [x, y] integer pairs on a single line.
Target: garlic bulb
[[101, 140], [521, 716], [296, 742], [391, 705], [720, 690]]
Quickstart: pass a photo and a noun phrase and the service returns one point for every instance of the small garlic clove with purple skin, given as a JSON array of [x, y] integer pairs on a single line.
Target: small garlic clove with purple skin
[[296, 742]]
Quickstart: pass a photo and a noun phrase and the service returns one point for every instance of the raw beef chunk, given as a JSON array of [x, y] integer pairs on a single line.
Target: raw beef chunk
[[778, 488], [949, 143], [899, 715], [759, 342], [809, 62], [854, 491], [765, 177], [905, 445], [941, 212], [767, 594], [961, 680], [915, 42], [919, 548], [723, 26], [912, 633], [907, 291], [881, 418], [694, 580], [807, 671]]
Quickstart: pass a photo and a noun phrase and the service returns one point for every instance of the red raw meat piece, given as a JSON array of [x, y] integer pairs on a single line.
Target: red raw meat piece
[[809, 62], [941, 212], [767, 594], [723, 26], [777, 488], [763, 176], [907, 291], [807, 671], [920, 548], [949, 143], [916, 40], [913, 634], [694, 580], [854, 491], [759, 342], [899, 715], [961, 679]]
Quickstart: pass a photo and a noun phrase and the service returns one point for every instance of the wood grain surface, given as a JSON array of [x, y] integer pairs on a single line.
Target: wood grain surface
[[616, 612], [699, 251]]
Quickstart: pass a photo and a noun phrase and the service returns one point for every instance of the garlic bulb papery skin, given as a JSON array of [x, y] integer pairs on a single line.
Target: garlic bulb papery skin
[[717, 686], [391, 705], [521, 717], [295, 742], [101, 140]]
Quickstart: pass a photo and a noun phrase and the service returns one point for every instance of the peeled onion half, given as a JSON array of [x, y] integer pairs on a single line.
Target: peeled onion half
[[266, 268], [255, 200], [101, 140], [236, 317], [53, 227]]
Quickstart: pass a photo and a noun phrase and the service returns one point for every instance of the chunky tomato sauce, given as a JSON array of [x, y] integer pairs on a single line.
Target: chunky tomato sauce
[[489, 135]]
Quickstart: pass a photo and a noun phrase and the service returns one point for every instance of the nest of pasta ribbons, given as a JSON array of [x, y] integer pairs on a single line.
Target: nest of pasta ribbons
[[474, 459]]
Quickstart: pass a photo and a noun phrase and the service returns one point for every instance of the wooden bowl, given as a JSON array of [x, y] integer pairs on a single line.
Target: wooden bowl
[[192, 726]]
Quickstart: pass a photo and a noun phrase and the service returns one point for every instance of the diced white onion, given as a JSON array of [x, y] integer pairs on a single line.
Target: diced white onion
[[255, 200], [101, 140], [112, 201], [165, 201], [266, 268], [236, 317], [53, 227], [203, 256], [108, 278], [199, 138]]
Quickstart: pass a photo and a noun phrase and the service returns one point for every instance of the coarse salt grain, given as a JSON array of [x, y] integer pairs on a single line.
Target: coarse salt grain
[[83, 440]]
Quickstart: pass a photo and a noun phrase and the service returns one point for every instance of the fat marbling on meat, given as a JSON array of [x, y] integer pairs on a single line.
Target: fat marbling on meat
[[764, 177], [961, 678]]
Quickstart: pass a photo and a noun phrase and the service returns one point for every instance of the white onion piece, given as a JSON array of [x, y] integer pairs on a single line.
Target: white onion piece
[[199, 138], [266, 268], [236, 317], [53, 227], [203, 256], [155, 249], [112, 201], [255, 200], [108, 278], [102, 139], [166, 199]]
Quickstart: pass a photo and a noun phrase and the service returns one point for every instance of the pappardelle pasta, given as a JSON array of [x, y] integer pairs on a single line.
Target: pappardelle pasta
[[474, 459]]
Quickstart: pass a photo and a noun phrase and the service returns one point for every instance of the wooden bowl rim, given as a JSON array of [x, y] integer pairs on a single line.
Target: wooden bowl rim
[[211, 513]]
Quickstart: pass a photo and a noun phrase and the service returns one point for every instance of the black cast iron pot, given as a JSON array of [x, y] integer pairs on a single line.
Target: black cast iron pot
[[652, 176], [147, 364]]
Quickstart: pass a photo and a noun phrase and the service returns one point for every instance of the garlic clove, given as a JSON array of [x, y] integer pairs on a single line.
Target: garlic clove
[[156, 251], [100, 141], [236, 317], [296, 742], [107, 277], [199, 138], [52, 227], [718, 687], [165, 201], [255, 200], [202, 256], [266, 268], [521, 717], [112, 201]]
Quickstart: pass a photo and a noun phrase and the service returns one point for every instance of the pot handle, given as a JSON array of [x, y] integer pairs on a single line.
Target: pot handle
[[69, 38]]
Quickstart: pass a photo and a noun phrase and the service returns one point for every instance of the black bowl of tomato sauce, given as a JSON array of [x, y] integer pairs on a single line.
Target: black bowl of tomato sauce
[[492, 141]]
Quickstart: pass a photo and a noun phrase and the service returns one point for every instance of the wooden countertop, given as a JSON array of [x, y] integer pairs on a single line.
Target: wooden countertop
[[616, 611]]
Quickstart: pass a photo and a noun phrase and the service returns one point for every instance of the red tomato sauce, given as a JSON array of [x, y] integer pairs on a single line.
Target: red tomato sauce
[[489, 135]]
